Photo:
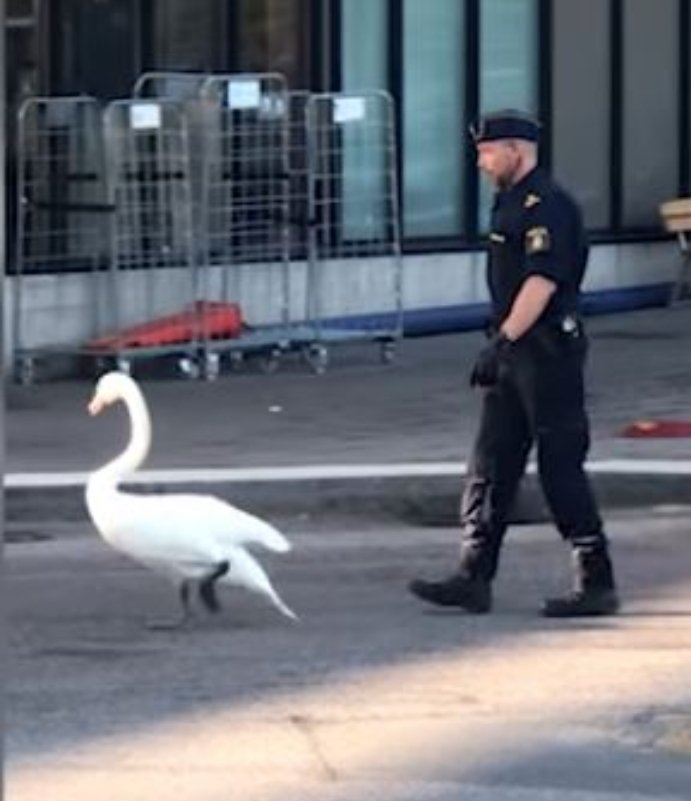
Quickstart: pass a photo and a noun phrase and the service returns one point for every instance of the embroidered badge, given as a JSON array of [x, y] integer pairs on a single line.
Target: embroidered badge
[[537, 240], [531, 200]]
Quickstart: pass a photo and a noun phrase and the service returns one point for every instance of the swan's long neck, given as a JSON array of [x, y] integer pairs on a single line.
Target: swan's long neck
[[139, 443]]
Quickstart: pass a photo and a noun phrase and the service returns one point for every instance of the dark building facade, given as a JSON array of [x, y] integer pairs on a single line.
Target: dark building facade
[[610, 79]]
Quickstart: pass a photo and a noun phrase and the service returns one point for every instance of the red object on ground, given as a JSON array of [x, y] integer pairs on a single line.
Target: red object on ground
[[658, 428], [203, 319]]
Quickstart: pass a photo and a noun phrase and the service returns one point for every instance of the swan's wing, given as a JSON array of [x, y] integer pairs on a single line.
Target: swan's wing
[[193, 521], [151, 535], [157, 528], [227, 524]]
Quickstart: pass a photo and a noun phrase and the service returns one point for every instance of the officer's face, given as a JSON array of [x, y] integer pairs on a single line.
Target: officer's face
[[499, 161]]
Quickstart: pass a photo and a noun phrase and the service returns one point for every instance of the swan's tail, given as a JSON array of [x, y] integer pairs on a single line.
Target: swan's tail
[[273, 540], [282, 607], [247, 572], [255, 531]]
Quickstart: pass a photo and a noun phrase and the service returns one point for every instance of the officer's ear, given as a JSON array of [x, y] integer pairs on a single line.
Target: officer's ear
[[513, 149]]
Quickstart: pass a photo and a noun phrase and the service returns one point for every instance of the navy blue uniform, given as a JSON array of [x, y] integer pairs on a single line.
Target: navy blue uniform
[[536, 229], [533, 387]]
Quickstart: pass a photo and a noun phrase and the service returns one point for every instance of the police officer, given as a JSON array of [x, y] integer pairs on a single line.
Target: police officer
[[531, 374]]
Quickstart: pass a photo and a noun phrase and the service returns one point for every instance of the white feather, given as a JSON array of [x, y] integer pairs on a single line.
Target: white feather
[[183, 536]]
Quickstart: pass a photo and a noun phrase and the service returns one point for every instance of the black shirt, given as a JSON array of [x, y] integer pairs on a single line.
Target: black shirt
[[536, 229]]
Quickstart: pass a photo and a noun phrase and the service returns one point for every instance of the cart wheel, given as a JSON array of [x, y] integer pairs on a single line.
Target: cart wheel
[[318, 358], [25, 371], [236, 359], [270, 361], [388, 351], [305, 354], [212, 366], [189, 367], [123, 365]]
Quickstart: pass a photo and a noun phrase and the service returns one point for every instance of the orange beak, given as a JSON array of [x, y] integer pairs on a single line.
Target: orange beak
[[95, 405]]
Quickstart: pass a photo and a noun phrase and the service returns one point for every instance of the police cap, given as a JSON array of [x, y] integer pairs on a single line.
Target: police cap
[[507, 124]]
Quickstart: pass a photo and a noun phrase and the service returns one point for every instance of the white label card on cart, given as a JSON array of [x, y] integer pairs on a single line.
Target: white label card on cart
[[244, 94], [349, 109], [145, 116]]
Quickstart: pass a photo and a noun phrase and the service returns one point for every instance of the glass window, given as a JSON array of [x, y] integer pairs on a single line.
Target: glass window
[[21, 9], [24, 64], [186, 35], [364, 45], [686, 188], [651, 109], [508, 65], [581, 103], [508, 54], [433, 114], [97, 46], [273, 36], [364, 67]]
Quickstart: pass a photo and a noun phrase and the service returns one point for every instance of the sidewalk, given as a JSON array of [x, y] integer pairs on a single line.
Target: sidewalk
[[389, 433]]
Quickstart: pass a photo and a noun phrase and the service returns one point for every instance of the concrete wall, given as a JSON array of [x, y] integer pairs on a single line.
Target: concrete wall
[[68, 309]]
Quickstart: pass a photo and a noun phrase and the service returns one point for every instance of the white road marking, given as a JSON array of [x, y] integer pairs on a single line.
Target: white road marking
[[652, 467]]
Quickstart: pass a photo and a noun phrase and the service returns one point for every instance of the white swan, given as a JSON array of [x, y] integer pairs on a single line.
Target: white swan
[[193, 539]]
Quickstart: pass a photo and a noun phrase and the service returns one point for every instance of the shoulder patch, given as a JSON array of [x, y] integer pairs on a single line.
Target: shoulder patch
[[537, 240], [531, 199]]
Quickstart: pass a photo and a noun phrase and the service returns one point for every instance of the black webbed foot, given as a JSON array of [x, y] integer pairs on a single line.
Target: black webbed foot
[[207, 588]]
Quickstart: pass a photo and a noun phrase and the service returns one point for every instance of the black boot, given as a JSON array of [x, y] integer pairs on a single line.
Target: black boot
[[583, 603], [594, 593], [472, 595]]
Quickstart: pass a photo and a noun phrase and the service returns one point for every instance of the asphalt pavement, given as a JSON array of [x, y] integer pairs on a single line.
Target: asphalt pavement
[[371, 697]]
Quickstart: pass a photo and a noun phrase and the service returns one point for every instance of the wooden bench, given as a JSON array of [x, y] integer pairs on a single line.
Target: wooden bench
[[676, 216]]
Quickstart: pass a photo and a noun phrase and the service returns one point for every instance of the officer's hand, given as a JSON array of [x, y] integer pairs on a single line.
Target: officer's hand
[[489, 362]]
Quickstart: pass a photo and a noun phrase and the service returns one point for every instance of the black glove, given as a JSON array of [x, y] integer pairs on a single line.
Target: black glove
[[489, 361]]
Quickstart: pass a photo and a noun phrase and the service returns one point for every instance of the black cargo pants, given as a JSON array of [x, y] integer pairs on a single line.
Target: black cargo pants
[[539, 400]]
